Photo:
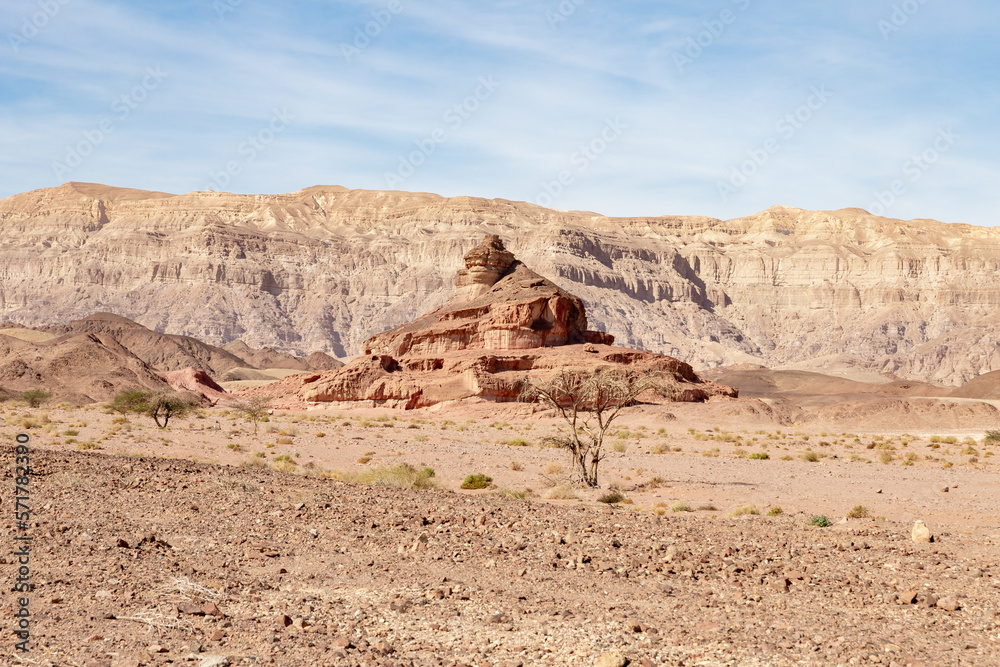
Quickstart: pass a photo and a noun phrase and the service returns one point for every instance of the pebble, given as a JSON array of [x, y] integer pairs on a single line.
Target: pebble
[[612, 659]]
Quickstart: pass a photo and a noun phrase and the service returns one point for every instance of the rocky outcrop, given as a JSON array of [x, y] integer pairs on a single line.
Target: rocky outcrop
[[499, 304], [195, 381], [505, 325], [325, 268]]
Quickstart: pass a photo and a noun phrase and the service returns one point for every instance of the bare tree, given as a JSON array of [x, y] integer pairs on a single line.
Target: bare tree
[[255, 410], [590, 403]]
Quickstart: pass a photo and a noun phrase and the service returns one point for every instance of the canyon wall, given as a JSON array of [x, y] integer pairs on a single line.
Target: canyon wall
[[325, 268]]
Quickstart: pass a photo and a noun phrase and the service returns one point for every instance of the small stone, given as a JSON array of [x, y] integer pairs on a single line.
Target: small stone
[[948, 604], [190, 609], [921, 533], [780, 585], [341, 641], [908, 597], [211, 609], [879, 491], [285, 620], [215, 661], [156, 648], [122, 543], [930, 600], [944, 490], [217, 636], [632, 625], [612, 659]]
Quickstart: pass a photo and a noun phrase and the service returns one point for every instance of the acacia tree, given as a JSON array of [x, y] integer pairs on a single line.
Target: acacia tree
[[255, 410], [590, 403], [166, 405]]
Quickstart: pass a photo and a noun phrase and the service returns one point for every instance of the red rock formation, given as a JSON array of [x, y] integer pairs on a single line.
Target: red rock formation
[[505, 322], [195, 381], [500, 304]]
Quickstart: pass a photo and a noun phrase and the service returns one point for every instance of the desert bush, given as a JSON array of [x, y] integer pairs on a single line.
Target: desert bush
[[810, 456], [659, 449], [553, 469], [284, 441], [680, 506], [774, 510], [886, 457], [477, 481], [620, 447], [991, 437], [509, 494], [859, 512], [90, 444], [745, 510], [708, 508], [711, 453], [740, 453], [71, 431], [516, 466], [820, 520], [255, 410], [403, 476], [130, 401], [560, 492], [35, 397], [759, 456], [612, 497], [166, 405], [969, 451], [517, 442]]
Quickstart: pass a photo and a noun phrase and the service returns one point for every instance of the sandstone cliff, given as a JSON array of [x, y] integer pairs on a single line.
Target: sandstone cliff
[[326, 267]]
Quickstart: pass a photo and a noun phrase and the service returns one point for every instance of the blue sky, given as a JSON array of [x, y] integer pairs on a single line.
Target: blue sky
[[716, 108]]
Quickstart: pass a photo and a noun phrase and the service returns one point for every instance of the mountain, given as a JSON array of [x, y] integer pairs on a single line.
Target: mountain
[[325, 268]]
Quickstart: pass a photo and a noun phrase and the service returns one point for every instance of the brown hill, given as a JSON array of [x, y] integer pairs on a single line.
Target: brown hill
[[270, 358], [504, 323], [986, 386], [325, 268], [79, 368]]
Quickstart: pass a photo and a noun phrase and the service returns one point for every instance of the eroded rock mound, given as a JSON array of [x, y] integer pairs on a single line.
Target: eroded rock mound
[[505, 322], [500, 304]]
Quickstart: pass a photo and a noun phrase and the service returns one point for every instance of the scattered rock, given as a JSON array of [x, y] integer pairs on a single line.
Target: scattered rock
[[948, 604], [921, 533], [612, 659]]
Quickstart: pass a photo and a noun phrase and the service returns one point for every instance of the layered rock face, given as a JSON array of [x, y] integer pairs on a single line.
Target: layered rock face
[[499, 304], [506, 325], [325, 268]]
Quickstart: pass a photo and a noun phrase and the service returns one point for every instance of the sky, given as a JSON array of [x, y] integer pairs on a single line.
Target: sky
[[719, 108]]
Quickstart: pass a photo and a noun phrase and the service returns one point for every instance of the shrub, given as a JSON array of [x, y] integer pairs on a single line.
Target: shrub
[[969, 451], [477, 481], [680, 506], [659, 449], [620, 447], [403, 476], [744, 510], [553, 469], [284, 441], [740, 453], [774, 510], [35, 397], [517, 442], [886, 457], [859, 512], [759, 456], [130, 400], [516, 466], [810, 456], [510, 494], [612, 497], [90, 444], [560, 492], [992, 437], [71, 431], [708, 508], [711, 453], [820, 520]]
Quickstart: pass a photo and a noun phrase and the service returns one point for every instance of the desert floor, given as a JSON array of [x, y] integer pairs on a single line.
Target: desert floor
[[709, 559]]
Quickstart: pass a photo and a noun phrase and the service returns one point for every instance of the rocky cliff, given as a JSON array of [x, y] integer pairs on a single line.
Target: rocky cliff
[[325, 268]]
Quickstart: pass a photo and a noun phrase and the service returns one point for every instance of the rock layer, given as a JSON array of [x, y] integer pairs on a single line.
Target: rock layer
[[326, 267]]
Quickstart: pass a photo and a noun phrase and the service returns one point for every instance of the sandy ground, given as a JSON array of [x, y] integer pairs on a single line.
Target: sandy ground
[[133, 522]]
